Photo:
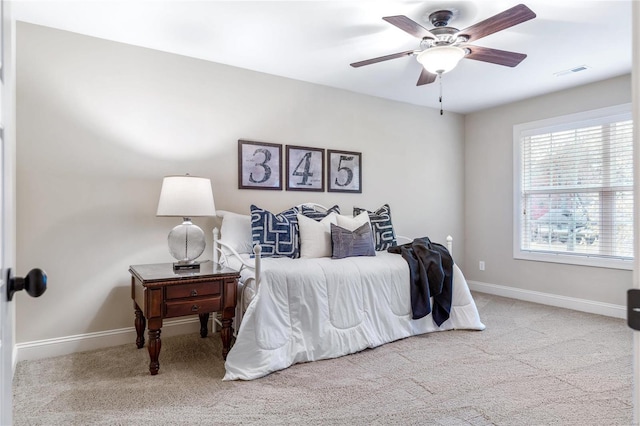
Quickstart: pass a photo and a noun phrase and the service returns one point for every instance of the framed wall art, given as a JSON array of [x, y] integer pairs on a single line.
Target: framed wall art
[[259, 165], [345, 171], [305, 168]]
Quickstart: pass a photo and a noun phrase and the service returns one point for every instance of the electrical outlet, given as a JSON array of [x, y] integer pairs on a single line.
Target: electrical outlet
[[481, 265]]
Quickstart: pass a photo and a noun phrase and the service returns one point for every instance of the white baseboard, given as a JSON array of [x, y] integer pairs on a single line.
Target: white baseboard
[[85, 342], [584, 305]]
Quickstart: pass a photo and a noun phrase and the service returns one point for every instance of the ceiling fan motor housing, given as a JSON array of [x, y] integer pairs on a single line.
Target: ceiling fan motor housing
[[444, 36]]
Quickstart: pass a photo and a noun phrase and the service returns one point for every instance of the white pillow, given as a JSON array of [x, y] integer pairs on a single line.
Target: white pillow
[[353, 223], [236, 231], [315, 237]]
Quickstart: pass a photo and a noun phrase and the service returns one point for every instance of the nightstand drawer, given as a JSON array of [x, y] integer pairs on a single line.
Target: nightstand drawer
[[192, 307], [193, 290]]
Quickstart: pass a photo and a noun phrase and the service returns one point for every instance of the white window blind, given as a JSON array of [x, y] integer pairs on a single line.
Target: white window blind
[[575, 195]]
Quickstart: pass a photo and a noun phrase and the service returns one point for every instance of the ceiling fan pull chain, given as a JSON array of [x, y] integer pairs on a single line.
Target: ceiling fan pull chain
[[440, 82]]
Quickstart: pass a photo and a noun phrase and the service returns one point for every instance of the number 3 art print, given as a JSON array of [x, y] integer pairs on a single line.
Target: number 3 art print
[[259, 165], [305, 168], [345, 171]]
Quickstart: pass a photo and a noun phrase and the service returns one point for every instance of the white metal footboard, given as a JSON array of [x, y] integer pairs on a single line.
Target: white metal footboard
[[408, 240]]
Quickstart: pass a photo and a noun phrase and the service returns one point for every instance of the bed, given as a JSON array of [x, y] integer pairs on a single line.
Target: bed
[[294, 309]]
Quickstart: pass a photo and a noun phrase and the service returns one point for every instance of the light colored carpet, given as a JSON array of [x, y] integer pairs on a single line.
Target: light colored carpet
[[533, 365]]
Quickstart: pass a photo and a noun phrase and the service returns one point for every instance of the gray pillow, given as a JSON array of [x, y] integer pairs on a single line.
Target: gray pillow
[[345, 243]]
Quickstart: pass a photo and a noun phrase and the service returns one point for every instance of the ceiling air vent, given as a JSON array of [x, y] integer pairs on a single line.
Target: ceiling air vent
[[571, 71]]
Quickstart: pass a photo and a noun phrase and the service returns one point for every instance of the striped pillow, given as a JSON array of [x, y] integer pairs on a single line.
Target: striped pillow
[[319, 215], [383, 232], [277, 234]]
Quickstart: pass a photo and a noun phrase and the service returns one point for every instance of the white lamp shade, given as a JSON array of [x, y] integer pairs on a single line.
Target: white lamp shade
[[186, 196], [440, 59]]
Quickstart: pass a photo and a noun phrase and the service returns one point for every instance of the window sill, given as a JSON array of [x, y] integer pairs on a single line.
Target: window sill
[[592, 261]]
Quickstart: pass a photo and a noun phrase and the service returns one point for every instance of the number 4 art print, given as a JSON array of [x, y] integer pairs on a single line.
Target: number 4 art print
[[345, 171], [259, 165], [305, 169]]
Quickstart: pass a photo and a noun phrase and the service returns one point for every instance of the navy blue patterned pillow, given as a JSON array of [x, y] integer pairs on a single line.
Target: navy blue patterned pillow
[[314, 214], [383, 233], [277, 234], [345, 243]]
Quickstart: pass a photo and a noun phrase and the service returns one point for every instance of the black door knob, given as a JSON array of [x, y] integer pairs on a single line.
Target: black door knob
[[35, 283]]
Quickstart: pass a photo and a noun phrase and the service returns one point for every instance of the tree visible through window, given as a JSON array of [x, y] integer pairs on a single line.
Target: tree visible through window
[[574, 193]]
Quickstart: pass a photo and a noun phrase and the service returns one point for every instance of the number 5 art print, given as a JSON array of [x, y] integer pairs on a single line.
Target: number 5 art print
[[345, 171], [259, 165], [305, 168]]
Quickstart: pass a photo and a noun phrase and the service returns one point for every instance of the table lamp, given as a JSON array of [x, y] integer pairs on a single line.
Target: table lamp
[[186, 197]]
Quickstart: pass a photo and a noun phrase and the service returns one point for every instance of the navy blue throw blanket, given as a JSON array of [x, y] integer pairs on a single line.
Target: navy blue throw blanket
[[431, 275]]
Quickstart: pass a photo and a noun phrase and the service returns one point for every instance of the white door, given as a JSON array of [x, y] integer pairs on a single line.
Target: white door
[[7, 240], [6, 312], [635, 85], [35, 282]]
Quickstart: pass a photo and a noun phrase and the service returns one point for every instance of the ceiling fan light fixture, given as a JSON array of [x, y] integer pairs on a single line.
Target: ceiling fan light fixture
[[440, 59]]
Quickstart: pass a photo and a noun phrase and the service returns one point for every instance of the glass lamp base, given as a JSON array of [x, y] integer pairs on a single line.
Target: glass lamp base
[[178, 266], [186, 242]]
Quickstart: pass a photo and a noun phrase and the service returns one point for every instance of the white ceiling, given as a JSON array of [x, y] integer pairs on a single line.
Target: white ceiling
[[315, 41]]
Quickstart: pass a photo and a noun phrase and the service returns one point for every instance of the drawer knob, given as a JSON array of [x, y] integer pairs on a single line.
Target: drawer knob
[[194, 293], [195, 308]]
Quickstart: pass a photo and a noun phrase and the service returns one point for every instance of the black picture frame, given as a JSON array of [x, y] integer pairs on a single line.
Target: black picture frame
[[259, 165], [344, 171], [305, 168]]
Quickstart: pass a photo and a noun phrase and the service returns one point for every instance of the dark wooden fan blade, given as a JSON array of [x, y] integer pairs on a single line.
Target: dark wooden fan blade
[[495, 56], [381, 58], [426, 77], [412, 27], [499, 22]]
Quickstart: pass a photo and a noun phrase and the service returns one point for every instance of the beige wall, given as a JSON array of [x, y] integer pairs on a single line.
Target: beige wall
[[489, 198], [100, 123]]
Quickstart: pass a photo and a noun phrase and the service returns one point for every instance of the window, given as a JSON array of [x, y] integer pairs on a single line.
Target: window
[[573, 198]]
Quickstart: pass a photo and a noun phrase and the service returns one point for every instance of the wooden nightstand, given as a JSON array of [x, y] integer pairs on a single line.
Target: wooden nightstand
[[159, 292]]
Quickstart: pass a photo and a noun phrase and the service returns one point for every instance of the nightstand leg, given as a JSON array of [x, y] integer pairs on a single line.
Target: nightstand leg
[[204, 324], [226, 333], [154, 350], [140, 324]]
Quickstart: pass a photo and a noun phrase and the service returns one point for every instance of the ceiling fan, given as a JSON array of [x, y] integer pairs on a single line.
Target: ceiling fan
[[442, 47]]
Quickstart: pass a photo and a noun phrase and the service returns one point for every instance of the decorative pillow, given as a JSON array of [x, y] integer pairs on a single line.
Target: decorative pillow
[[315, 236], [345, 243], [277, 234], [352, 223], [236, 231], [383, 233], [318, 215]]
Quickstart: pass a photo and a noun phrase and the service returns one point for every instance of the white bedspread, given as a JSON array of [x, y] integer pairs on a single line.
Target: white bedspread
[[311, 309]]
